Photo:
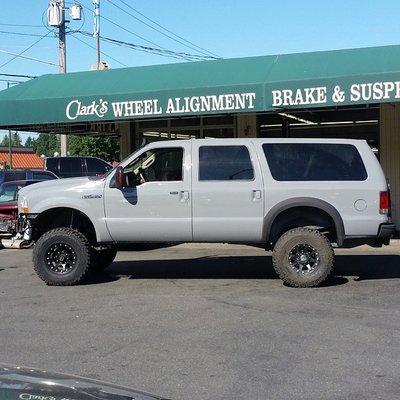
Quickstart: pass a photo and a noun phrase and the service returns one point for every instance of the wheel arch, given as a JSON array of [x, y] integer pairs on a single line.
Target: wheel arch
[[307, 202], [68, 217]]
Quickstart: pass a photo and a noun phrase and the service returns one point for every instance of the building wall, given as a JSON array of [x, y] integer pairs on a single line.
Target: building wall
[[246, 125], [389, 151], [126, 132]]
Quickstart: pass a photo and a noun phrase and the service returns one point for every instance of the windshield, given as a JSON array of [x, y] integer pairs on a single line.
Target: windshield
[[8, 192]]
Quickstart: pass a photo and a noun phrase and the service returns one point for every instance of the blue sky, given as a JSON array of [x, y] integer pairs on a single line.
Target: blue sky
[[228, 28]]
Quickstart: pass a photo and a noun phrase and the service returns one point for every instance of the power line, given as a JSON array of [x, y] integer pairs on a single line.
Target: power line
[[21, 34], [140, 37], [18, 76], [122, 27], [24, 51], [129, 31], [25, 57], [158, 51], [102, 52], [22, 25], [177, 38], [167, 30]]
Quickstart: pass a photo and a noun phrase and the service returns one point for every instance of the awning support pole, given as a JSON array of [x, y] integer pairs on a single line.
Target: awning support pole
[[285, 128], [63, 65], [9, 141]]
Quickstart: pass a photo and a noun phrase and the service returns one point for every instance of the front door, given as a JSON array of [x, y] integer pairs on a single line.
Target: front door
[[155, 205]]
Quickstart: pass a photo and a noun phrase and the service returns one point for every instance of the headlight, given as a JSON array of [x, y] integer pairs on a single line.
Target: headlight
[[24, 208]]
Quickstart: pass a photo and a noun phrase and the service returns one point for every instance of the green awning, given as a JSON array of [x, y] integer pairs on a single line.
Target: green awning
[[252, 84]]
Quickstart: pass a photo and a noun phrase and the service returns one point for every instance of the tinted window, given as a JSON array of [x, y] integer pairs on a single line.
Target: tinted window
[[71, 166], [155, 165], [52, 164], [43, 175], [225, 163], [96, 166], [314, 162], [14, 176]]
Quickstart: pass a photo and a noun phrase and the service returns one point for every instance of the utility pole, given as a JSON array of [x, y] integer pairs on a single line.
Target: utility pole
[[56, 19], [96, 31], [9, 141], [63, 64]]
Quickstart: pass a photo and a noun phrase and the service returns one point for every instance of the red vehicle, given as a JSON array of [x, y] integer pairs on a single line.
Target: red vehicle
[[8, 201]]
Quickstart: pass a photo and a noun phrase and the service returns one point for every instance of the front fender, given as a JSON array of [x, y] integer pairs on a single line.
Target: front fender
[[93, 209]]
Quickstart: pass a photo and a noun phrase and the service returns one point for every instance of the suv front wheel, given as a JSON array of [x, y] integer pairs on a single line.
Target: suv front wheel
[[303, 257], [61, 257]]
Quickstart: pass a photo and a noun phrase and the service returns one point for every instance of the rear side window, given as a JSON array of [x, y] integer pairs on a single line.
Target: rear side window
[[96, 166], [314, 162], [52, 164], [71, 166], [225, 163], [43, 175]]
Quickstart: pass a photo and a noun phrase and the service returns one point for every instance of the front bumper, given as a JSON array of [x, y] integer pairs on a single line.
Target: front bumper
[[7, 224]]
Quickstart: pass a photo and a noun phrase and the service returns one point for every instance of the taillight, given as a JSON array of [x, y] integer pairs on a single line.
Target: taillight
[[384, 203]]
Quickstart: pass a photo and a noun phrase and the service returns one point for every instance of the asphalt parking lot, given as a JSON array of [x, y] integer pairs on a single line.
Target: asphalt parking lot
[[212, 322]]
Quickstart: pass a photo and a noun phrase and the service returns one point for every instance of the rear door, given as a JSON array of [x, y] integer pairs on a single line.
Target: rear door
[[71, 167], [227, 192], [52, 164]]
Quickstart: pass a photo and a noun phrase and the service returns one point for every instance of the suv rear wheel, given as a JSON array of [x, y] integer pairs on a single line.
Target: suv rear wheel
[[303, 257], [61, 257]]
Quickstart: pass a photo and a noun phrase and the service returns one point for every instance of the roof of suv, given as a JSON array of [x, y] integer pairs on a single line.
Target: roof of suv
[[59, 157], [210, 141]]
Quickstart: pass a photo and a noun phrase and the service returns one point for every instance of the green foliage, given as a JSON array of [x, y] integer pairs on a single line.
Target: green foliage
[[47, 144], [15, 140], [106, 148], [30, 142]]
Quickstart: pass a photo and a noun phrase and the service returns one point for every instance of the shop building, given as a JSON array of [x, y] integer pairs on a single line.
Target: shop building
[[21, 158], [352, 93]]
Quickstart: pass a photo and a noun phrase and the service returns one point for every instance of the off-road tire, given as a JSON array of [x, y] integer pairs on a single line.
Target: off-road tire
[[101, 259], [66, 236], [300, 236]]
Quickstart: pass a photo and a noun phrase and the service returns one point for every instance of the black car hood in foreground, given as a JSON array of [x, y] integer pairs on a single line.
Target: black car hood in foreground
[[28, 384]]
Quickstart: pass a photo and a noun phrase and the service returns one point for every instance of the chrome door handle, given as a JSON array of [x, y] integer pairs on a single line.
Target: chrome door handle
[[175, 193], [257, 195], [184, 195]]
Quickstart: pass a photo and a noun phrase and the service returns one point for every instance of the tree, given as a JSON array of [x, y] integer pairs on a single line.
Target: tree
[[15, 140], [47, 144], [5, 141], [103, 147], [30, 143]]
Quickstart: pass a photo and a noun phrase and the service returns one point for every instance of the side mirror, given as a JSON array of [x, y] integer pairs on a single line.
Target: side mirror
[[120, 180]]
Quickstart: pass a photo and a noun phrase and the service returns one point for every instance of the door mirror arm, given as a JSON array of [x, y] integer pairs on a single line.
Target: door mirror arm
[[120, 178]]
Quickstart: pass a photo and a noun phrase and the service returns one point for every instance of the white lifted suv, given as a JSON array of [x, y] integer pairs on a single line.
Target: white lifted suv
[[295, 197]]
